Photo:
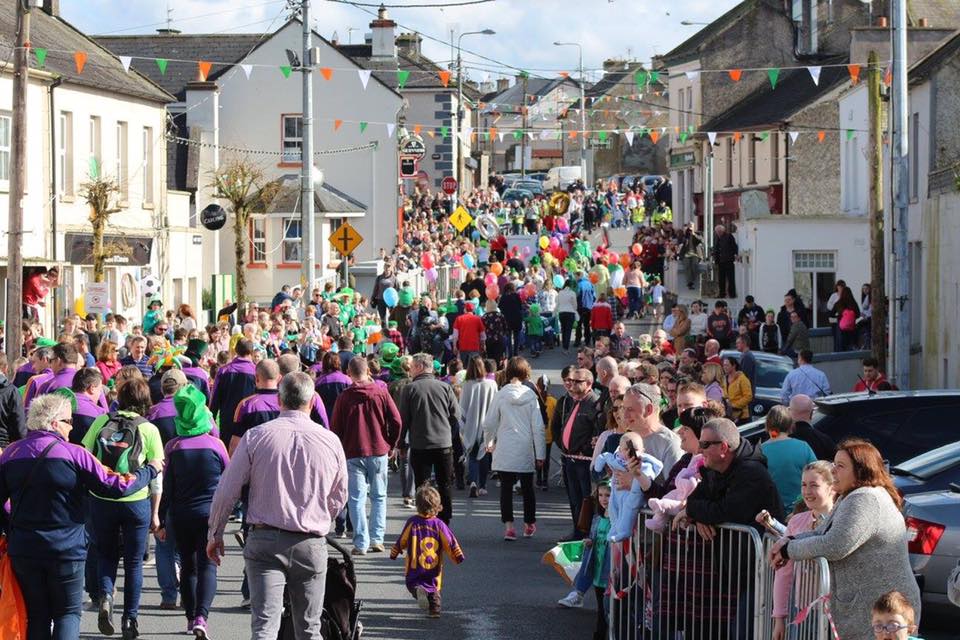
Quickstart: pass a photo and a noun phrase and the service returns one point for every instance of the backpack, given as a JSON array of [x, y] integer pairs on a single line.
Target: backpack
[[848, 320], [118, 445]]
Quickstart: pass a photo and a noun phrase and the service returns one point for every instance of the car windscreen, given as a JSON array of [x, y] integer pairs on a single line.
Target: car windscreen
[[772, 373], [929, 464]]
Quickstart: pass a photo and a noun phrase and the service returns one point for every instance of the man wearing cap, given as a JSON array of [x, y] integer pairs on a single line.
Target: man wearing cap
[[42, 358], [469, 334], [33, 367], [234, 382], [87, 388]]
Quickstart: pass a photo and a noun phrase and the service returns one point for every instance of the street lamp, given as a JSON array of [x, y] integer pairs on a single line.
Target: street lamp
[[583, 108], [688, 23], [459, 110]]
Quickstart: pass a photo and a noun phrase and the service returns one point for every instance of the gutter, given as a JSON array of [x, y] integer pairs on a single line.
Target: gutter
[[53, 185]]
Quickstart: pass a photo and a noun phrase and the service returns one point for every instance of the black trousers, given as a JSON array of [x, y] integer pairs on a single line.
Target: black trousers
[[507, 480], [438, 462], [726, 280], [583, 329], [567, 319]]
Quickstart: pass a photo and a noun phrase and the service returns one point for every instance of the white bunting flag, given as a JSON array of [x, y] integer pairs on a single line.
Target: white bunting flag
[[794, 135], [390, 127], [500, 136], [467, 131], [530, 134], [364, 77], [712, 137], [247, 69], [815, 74], [629, 136], [545, 134], [692, 75], [125, 61], [663, 130]]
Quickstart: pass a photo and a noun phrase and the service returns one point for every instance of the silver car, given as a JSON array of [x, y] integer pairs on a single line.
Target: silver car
[[933, 530]]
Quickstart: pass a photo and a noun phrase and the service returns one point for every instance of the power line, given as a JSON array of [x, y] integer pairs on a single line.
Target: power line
[[411, 6], [195, 17]]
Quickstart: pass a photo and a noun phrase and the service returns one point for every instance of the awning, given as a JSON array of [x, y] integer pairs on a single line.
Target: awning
[[125, 250]]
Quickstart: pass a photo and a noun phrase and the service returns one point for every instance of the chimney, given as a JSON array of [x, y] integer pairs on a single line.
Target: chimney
[[384, 44], [52, 7], [503, 84], [924, 23], [409, 44], [169, 32], [882, 22], [613, 64]]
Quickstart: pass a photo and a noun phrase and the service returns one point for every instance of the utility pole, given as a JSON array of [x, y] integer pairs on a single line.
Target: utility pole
[[878, 287], [308, 238], [18, 182], [901, 171], [523, 138]]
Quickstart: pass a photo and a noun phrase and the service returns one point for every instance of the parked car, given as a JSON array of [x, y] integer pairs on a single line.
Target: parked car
[[516, 195], [559, 178], [901, 424], [933, 539], [931, 471], [649, 182], [771, 370], [539, 177], [533, 186]]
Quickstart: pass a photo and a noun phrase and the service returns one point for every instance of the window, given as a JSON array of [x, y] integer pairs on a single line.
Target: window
[[914, 156], [147, 166], [751, 158], [5, 128], [292, 138], [775, 157], [291, 240], [689, 108], [95, 159], [258, 240], [122, 161], [683, 113], [728, 164], [65, 154], [814, 278]]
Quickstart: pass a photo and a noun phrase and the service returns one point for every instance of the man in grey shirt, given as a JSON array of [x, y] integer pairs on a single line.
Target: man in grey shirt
[[642, 409]]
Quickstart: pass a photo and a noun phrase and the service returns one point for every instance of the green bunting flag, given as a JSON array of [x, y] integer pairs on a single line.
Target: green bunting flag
[[850, 134], [603, 136], [444, 131], [285, 70], [94, 168], [683, 137], [640, 77], [517, 134], [41, 54], [774, 75], [654, 76], [162, 65], [402, 76], [764, 136], [363, 127], [524, 75]]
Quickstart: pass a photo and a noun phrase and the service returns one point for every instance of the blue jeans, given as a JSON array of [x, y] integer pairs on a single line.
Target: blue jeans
[[535, 343], [635, 299], [478, 470], [198, 582], [167, 561], [53, 592], [367, 474], [133, 520]]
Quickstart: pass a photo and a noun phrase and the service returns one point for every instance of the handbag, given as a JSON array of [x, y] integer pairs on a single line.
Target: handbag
[[585, 521], [13, 608]]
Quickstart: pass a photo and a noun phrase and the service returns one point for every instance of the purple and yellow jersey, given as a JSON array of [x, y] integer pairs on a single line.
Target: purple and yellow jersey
[[424, 541]]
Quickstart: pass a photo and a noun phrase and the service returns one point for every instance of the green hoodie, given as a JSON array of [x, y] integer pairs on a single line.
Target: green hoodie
[[534, 321]]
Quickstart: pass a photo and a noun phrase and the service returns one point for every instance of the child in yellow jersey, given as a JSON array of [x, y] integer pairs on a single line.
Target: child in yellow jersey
[[425, 538]]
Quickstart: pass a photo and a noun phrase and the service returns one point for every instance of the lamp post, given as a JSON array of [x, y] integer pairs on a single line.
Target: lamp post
[[459, 111], [583, 110], [688, 23]]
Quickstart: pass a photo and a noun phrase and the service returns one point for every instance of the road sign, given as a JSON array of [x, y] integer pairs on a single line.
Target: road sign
[[449, 185], [346, 239], [413, 146], [461, 218], [408, 167], [213, 217], [96, 297]]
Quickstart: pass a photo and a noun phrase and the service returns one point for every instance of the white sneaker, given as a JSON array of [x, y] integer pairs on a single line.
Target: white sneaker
[[574, 600]]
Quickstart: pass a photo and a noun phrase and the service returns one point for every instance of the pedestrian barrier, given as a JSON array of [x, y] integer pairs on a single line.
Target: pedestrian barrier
[[676, 585]]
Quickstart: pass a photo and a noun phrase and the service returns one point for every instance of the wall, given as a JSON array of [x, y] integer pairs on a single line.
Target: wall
[[939, 366], [184, 278], [432, 108], [814, 182]]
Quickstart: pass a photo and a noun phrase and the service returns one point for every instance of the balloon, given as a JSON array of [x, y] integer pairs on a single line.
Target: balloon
[[558, 281], [621, 292], [594, 277], [374, 338], [526, 251], [554, 243], [616, 279], [426, 260], [468, 261], [431, 275], [625, 259], [78, 307], [637, 249], [496, 268], [544, 242], [612, 257], [474, 235], [490, 279], [391, 297], [530, 289], [562, 225], [493, 292]]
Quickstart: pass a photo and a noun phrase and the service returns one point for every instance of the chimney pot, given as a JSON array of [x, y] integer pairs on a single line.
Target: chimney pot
[[882, 22], [503, 84], [52, 7], [924, 22]]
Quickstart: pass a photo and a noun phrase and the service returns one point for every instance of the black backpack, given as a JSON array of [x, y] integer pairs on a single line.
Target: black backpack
[[118, 445]]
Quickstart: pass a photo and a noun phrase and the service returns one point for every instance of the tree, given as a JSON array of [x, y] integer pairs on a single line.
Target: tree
[[241, 182], [101, 193]]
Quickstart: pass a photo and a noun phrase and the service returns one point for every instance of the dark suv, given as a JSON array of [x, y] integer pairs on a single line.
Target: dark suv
[[901, 424]]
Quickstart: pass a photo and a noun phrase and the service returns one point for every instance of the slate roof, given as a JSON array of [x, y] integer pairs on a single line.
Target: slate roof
[[408, 62], [513, 97], [690, 47], [326, 198], [924, 67], [102, 70], [767, 106], [940, 13]]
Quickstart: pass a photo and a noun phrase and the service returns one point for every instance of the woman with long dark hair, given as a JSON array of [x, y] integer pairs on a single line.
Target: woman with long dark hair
[[864, 540], [848, 312]]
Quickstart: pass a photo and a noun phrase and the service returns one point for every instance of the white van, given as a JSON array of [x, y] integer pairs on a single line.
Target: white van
[[559, 178]]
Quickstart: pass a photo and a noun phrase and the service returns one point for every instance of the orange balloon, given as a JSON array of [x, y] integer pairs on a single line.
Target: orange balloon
[[496, 268], [594, 277], [621, 292], [637, 249], [625, 259]]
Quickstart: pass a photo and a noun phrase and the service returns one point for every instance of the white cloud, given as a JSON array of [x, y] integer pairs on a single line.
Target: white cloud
[[525, 29]]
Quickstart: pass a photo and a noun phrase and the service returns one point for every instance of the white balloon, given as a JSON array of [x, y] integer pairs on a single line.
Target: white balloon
[[616, 279]]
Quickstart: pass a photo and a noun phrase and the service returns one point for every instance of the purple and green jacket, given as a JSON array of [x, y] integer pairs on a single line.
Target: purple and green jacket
[[162, 415], [264, 406], [192, 469], [234, 382], [87, 411], [33, 386]]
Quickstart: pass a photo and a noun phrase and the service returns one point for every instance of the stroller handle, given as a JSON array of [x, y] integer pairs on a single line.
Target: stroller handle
[[341, 549]]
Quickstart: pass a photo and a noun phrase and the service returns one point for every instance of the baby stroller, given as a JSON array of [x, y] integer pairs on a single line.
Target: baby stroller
[[340, 619]]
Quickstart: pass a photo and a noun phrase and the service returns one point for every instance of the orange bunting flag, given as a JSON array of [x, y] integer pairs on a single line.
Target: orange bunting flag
[[336, 124], [676, 130], [417, 128], [735, 74], [81, 59], [444, 77], [493, 132], [573, 135], [821, 135], [854, 70], [326, 72], [654, 135], [431, 133], [564, 74], [736, 136], [888, 76], [204, 68]]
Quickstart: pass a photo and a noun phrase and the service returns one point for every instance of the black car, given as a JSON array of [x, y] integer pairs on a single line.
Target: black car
[[771, 370], [901, 424], [931, 471]]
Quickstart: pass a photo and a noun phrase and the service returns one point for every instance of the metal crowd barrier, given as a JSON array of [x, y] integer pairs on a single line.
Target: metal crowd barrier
[[674, 585]]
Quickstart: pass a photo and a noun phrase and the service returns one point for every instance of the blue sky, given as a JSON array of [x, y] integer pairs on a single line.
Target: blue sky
[[526, 29]]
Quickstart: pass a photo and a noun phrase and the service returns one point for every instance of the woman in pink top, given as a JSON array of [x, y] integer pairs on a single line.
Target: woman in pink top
[[634, 281], [818, 498], [107, 360]]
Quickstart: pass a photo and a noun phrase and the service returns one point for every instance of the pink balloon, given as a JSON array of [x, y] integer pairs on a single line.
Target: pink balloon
[[554, 243], [431, 275], [490, 279], [614, 258], [493, 292]]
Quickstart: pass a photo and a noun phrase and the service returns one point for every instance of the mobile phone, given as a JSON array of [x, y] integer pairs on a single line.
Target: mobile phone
[[632, 446]]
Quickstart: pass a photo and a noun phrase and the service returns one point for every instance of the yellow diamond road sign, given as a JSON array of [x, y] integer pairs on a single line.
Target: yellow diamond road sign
[[346, 239], [461, 218]]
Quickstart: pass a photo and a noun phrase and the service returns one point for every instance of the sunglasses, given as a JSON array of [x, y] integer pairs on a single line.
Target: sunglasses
[[578, 381], [65, 420], [706, 444]]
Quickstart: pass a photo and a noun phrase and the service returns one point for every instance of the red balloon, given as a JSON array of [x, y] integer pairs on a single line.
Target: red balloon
[[637, 249], [594, 277], [426, 261], [493, 292], [614, 258]]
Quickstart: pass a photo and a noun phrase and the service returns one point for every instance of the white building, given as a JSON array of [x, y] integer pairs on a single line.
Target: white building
[[101, 120], [229, 111]]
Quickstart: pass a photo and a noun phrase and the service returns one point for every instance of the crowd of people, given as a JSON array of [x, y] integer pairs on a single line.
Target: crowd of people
[[119, 429]]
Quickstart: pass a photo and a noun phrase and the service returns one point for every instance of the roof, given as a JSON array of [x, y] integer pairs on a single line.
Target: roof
[[940, 13], [690, 47], [538, 87], [326, 198], [768, 106], [925, 66], [102, 70], [612, 79], [409, 61]]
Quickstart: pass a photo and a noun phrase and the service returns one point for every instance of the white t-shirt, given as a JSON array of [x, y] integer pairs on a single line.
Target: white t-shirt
[[548, 300], [656, 292], [698, 324]]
